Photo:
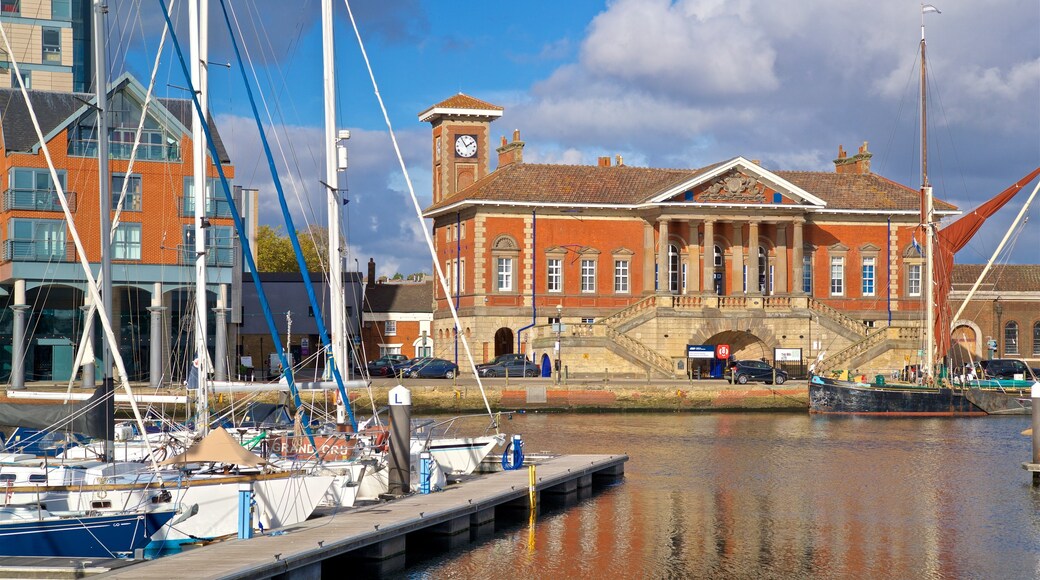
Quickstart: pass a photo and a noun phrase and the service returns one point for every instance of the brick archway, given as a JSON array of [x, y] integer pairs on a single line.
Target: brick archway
[[504, 341]]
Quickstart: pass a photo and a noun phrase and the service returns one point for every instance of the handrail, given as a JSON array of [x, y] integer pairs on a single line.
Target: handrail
[[837, 316], [629, 312], [651, 356], [854, 349]]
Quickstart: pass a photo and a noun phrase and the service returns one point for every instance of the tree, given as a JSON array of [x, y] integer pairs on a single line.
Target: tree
[[274, 251]]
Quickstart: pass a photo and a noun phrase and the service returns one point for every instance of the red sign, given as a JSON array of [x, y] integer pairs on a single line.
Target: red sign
[[722, 351]]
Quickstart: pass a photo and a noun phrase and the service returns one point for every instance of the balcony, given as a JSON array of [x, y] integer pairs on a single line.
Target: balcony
[[36, 200], [88, 148], [215, 256], [38, 251], [215, 207]]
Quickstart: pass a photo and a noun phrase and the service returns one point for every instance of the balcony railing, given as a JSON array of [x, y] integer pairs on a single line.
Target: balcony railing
[[36, 200], [122, 151], [215, 256], [38, 251], [215, 207]]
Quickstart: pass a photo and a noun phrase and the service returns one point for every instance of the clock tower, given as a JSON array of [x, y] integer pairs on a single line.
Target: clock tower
[[461, 142]]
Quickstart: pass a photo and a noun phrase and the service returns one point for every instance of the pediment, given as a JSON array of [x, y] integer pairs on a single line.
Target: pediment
[[738, 182]]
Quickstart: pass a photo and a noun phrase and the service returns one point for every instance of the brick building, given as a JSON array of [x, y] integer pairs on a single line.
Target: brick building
[[1003, 318], [643, 263], [397, 317]]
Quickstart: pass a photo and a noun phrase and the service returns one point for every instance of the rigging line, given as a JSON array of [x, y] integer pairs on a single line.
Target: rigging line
[[239, 225], [104, 317], [319, 320], [418, 212]]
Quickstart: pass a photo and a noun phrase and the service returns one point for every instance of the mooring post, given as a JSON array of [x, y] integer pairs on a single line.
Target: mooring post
[[245, 514], [1035, 395], [400, 441], [532, 487]]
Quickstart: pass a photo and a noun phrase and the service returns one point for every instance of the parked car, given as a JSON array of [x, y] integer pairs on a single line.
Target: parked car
[[431, 368], [1006, 368], [756, 370], [402, 368], [513, 368], [503, 359], [383, 366]]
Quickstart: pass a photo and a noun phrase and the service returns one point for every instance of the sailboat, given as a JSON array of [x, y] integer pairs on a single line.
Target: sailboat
[[934, 394]]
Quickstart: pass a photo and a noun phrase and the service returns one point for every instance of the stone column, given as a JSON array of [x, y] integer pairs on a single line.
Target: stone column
[[18, 337], [798, 258], [220, 347], [693, 273], [648, 258], [736, 270], [663, 266], [781, 260], [155, 369], [709, 257], [87, 378], [753, 287]]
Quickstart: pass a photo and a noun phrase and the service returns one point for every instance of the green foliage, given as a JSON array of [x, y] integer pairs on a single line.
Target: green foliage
[[274, 251]]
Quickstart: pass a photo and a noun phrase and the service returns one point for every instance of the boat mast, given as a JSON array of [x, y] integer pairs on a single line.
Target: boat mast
[[927, 217], [337, 349], [198, 15], [104, 200]]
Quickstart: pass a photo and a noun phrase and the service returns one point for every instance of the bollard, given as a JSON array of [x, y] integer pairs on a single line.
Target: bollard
[[1035, 395], [400, 441], [424, 472], [518, 452], [532, 489], [245, 511]]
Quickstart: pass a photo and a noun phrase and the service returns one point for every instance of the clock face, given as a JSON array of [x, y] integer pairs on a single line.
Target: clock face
[[466, 145]]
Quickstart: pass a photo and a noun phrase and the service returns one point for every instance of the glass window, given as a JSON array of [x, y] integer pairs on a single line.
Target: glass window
[[35, 240], [10, 7], [462, 275], [868, 276], [588, 320], [744, 275], [807, 274], [126, 244], [132, 201], [763, 269], [1036, 339], [673, 269], [837, 276], [26, 78], [718, 257], [621, 276], [390, 328], [554, 275], [33, 189], [51, 45], [588, 276], [61, 9], [1011, 338], [216, 203], [505, 274], [913, 280]]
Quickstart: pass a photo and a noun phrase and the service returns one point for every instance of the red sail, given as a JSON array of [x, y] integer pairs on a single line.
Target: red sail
[[949, 241]]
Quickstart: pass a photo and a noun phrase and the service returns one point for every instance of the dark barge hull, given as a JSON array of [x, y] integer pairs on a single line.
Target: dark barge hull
[[832, 397], [997, 402]]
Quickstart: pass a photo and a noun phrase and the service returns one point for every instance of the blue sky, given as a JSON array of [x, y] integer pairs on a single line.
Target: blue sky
[[663, 83]]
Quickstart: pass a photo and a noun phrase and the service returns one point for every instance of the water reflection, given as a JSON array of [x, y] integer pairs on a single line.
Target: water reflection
[[776, 496]]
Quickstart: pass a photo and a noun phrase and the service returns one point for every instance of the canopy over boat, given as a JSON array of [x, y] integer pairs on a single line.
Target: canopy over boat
[[217, 447]]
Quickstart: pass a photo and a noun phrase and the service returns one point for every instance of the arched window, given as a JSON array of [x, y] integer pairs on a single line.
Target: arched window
[[673, 269], [763, 269], [1036, 339], [1011, 338], [718, 257]]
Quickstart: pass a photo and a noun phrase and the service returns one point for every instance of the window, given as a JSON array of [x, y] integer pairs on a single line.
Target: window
[[462, 275], [35, 240], [771, 279], [1036, 339], [385, 349], [554, 275], [673, 269], [132, 201], [1011, 338], [216, 203], [837, 275], [913, 280], [462, 233], [219, 246], [127, 242], [807, 273], [868, 276], [26, 78], [10, 7], [718, 257], [763, 269], [61, 9], [588, 276], [621, 276], [51, 45], [744, 270], [33, 189], [505, 274], [390, 328], [588, 320]]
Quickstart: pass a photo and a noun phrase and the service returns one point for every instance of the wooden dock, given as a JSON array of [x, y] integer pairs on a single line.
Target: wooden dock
[[379, 532]]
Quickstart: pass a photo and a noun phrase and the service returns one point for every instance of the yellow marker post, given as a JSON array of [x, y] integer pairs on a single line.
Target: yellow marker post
[[532, 490]]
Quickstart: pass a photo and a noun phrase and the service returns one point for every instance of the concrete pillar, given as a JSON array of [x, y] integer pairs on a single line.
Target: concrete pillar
[[18, 337], [663, 265], [220, 365], [693, 270], [87, 379], [781, 286], [736, 269], [400, 474], [797, 256], [709, 257], [752, 262], [648, 258], [155, 367]]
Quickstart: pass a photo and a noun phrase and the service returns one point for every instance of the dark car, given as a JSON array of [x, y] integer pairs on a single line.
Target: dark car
[[401, 368], [503, 359], [756, 370], [513, 368], [1006, 368], [430, 368], [383, 366]]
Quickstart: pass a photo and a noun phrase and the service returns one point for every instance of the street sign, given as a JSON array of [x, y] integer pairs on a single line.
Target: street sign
[[700, 351], [722, 351]]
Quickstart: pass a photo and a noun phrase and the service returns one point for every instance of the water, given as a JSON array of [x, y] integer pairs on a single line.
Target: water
[[775, 496]]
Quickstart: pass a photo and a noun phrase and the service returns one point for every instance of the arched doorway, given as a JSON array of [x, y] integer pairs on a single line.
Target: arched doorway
[[503, 341], [963, 346]]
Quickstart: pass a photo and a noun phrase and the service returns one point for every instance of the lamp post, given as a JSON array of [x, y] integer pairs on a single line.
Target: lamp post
[[559, 330], [998, 308]]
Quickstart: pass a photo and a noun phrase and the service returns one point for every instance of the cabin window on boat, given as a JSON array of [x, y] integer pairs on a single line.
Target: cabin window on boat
[[837, 275], [127, 242], [37, 478], [51, 45], [7, 478], [1011, 338], [132, 201]]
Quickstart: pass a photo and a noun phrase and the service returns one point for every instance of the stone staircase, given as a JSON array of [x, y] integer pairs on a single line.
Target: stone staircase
[[639, 353], [869, 347]]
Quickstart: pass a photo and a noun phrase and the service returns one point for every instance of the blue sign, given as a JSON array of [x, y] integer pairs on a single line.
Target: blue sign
[[700, 351]]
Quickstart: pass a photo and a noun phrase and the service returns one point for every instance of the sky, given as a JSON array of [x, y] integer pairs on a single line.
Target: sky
[[675, 84]]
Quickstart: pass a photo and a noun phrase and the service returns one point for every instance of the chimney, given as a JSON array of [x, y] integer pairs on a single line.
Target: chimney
[[620, 161], [510, 153], [604, 161], [858, 164], [371, 272]]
